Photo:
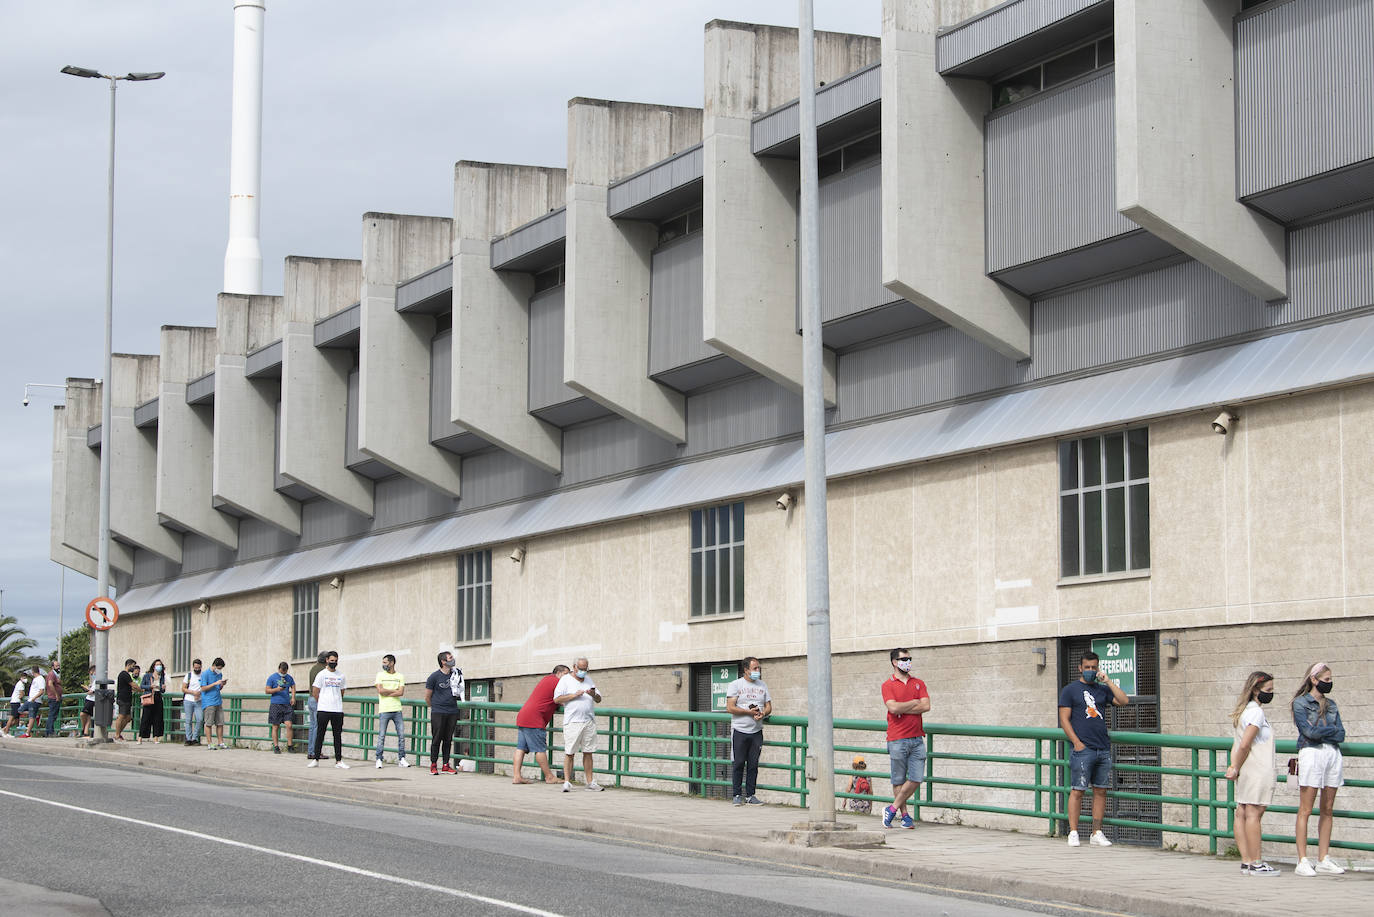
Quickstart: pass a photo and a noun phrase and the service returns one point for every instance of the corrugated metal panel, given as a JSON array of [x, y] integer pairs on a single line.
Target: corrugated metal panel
[[152, 568], [400, 500], [1147, 313], [258, 539], [1303, 72], [93, 436], [354, 457], [546, 351], [833, 101], [264, 362], [440, 389], [145, 414], [1051, 173], [655, 181], [753, 410], [496, 476], [433, 283], [325, 520], [547, 230], [1330, 269], [1318, 357], [921, 369], [675, 335], [851, 249], [610, 446], [1000, 26], [202, 390], [1322, 194], [343, 326], [199, 554]]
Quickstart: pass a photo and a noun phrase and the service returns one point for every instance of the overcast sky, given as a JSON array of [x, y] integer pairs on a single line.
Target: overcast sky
[[367, 105]]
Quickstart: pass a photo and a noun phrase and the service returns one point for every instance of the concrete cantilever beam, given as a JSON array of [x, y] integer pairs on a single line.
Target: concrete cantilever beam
[[749, 293], [394, 357], [314, 383], [245, 465], [186, 439], [58, 550], [491, 322], [934, 251], [79, 529], [1176, 167], [606, 311], [133, 471]]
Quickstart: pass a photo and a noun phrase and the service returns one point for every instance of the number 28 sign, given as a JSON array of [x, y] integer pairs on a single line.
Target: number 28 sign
[[102, 613]]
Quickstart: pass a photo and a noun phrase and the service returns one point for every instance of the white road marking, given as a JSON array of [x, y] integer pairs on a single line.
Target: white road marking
[[341, 867]]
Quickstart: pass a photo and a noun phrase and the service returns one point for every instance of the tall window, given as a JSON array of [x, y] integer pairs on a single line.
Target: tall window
[[305, 621], [474, 596], [718, 560], [181, 638], [1104, 503]]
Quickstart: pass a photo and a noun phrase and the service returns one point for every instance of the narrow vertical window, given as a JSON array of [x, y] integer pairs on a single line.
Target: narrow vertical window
[[305, 621], [716, 564], [474, 596], [1104, 503], [181, 638]]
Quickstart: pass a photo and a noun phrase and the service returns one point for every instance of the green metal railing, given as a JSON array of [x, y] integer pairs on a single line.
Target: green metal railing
[[680, 749]]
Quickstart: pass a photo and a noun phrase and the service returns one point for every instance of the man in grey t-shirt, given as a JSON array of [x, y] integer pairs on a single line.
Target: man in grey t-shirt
[[747, 700]]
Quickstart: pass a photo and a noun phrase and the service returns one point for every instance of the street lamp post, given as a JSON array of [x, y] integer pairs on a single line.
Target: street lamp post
[[102, 640]]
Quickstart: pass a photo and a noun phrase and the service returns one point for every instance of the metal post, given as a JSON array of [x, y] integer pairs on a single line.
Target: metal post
[[821, 731], [102, 587], [61, 597]]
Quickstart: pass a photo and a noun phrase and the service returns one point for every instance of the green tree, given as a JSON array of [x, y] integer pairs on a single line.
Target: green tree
[[76, 651], [15, 646]]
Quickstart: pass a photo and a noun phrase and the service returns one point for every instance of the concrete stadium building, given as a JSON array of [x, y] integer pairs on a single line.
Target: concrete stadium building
[[1058, 239]]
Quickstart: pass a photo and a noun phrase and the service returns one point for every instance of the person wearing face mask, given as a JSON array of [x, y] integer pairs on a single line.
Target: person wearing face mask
[[1252, 769], [391, 687], [532, 724], [153, 685], [328, 692], [907, 701], [748, 701], [1320, 767], [1082, 716], [191, 716], [212, 703], [312, 708], [443, 691], [281, 688], [577, 694]]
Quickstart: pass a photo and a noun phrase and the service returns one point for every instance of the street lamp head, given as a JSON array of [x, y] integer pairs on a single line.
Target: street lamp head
[[140, 77], [81, 71]]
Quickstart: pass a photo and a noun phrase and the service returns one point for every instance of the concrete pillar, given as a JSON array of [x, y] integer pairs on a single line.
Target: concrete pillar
[[135, 379], [80, 528], [934, 251], [57, 548], [749, 292], [608, 270], [314, 383], [186, 439], [245, 453], [1176, 140], [491, 321], [394, 358]]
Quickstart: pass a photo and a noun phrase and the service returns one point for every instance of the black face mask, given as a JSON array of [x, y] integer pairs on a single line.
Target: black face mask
[[1264, 697], [1324, 687], [332, 665]]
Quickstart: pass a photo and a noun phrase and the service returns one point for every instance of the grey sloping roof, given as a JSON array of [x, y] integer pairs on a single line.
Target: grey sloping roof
[[1311, 358]]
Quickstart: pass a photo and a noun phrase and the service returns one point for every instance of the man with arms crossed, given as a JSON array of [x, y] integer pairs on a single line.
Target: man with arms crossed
[[1082, 706], [577, 694], [532, 723], [391, 687], [191, 716], [907, 700], [748, 701]]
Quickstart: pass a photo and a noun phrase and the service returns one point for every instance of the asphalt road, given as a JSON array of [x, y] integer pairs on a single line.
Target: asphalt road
[[193, 846]]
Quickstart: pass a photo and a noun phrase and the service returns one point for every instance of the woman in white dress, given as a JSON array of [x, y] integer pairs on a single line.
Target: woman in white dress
[[1252, 769]]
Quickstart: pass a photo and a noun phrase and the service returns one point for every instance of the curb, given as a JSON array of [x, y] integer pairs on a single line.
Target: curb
[[884, 863]]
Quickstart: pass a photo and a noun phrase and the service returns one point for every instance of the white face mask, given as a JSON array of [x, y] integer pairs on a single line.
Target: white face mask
[[904, 665]]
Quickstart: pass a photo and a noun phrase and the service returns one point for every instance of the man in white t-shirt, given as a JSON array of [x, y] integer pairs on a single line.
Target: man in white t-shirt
[[328, 692], [191, 714], [17, 697], [577, 695], [747, 700], [38, 692]]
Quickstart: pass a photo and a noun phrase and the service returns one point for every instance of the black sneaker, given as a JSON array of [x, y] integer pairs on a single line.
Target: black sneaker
[[276, 750]]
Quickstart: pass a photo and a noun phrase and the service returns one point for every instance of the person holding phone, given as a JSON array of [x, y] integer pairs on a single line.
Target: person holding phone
[[1082, 716], [153, 685], [747, 700]]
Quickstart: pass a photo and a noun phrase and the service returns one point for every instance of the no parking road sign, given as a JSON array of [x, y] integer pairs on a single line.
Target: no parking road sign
[[102, 613]]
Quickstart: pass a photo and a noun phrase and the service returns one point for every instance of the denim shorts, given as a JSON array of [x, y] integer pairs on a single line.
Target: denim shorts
[[908, 760], [1090, 767], [532, 740]]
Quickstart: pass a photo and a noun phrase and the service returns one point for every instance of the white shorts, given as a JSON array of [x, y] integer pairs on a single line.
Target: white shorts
[[1320, 766], [579, 737]]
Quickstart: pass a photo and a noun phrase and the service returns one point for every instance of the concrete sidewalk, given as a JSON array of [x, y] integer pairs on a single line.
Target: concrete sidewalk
[[1019, 867]]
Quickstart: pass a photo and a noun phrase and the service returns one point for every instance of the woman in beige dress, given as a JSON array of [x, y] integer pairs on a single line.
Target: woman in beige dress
[[1252, 769]]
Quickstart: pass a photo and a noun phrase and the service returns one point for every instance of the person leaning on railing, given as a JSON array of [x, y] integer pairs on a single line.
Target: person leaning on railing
[[1252, 769], [1320, 766]]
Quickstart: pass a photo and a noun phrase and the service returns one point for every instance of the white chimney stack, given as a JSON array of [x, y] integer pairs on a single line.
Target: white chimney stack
[[243, 257]]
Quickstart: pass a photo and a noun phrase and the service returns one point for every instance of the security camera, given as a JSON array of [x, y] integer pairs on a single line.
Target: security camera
[[336, 582], [1222, 425], [26, 401], [518, 555], [203, 608], [783, 502]]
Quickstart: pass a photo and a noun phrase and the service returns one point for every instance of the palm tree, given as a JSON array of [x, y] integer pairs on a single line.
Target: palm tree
[[15, 645]]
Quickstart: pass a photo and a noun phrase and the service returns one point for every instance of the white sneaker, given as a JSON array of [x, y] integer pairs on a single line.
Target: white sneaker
[[1099, 839], [597, 788], [1304, 868], [403, 763], [379, 764], [340, 765], [312, 763], [1329, 867], [1073, 838], [567, 787]]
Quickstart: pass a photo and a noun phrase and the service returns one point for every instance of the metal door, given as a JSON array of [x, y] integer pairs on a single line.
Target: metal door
[[473, 737], [710, 741]]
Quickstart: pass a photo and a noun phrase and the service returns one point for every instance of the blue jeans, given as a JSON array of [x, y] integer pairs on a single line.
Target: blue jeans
[[54, 707], [1091, 766], [192, 718], [397, 718], [310, 706], [908, 760]]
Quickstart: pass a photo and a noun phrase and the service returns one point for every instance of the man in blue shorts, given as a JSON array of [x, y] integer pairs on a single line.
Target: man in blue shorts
[[907, 701], [1082, 706], [532, 723]]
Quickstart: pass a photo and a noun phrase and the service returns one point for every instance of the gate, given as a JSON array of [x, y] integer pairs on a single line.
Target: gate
[[710, 741]]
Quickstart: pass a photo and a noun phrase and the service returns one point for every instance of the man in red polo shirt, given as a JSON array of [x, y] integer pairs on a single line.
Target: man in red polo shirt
[[532, 724], [907, 699]]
